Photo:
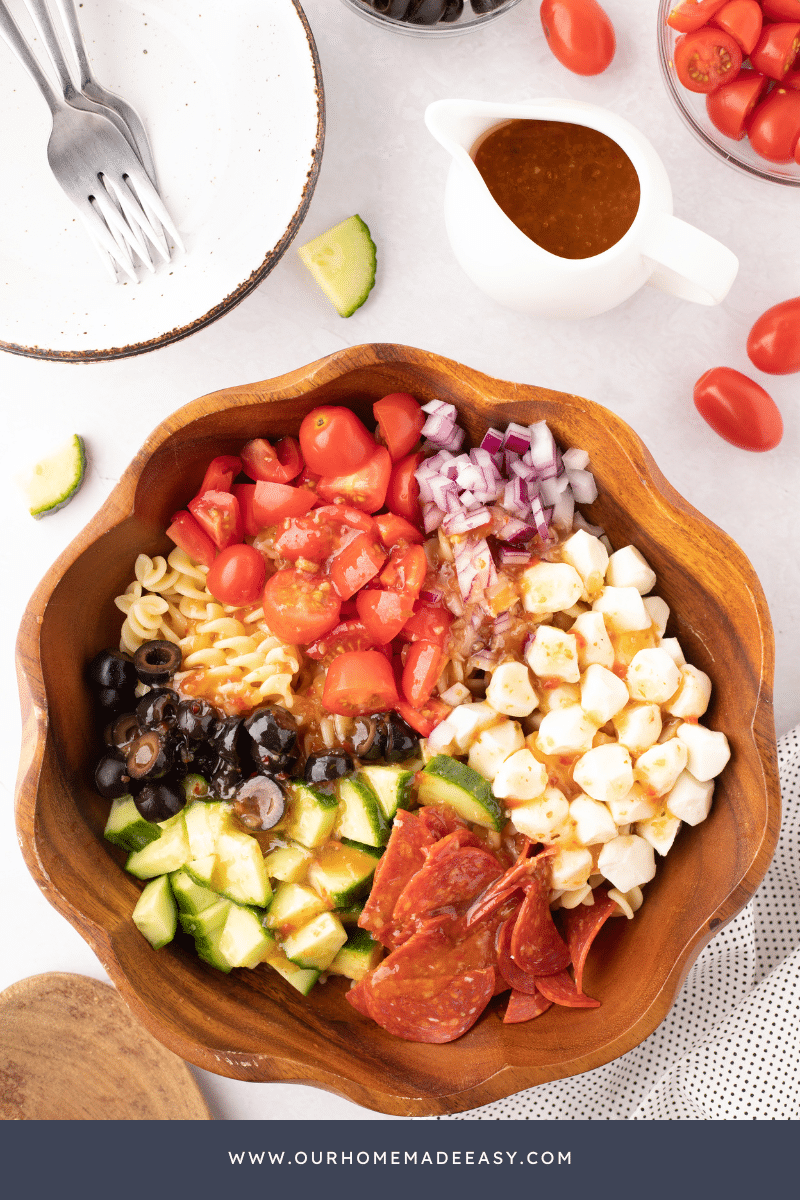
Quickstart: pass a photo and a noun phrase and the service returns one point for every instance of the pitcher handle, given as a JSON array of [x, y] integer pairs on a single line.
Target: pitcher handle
[[688, 263]]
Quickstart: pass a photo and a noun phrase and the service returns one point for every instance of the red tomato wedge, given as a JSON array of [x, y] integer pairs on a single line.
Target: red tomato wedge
[[738, 409], [402, 494], [774, 127], [773, 343], [781, 10], [406, 571], [707, 59], [237, 575], [277, 464], [342, 639], [742, 20], [274, 501], [430, 623], [245, 494], [400, 420], [689, 15], [424, 719], [364, 488], [188, 536], [218, 514], [220, 474], [342, 515], [729, 107], [423, 666], [777, 49], [394, 529], [361, 681], [384, 613], [305, 537], [356, 564], [580, 34], [300, 608], [334, 442]]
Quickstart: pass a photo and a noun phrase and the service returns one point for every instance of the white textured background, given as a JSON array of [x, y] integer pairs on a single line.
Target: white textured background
[[640, 360]]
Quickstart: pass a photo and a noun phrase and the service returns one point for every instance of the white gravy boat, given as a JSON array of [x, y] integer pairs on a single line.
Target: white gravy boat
[[497, 256]]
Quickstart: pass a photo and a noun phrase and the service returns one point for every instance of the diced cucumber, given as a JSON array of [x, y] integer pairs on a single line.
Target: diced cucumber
[[244, 942], [360, 815], [288, 863], [126, 827], [165, 855], [301, 980], [293, 905], [391, 784], [349, 915], [341, 873], [55, 480], [209, 920], [343, 262], [205, 822], [240, 873], [312, 815], [315, 946], [359, 954], [191, 896], [445, 780], [155, 914], [201, 870]]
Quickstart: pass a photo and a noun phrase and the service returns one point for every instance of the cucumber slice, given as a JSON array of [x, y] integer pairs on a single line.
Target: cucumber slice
[[244, 942], [206, 821], [288, 863], [303, 981], [167, 854], [360, 815], [293, 905], [126, 827], [315, 946], [312, 815], [240, 873], [445, 780], [155, 914], [210, 920], [391, 784], [343, 261], [55, 480], [341, 873], [192, 897], [359, 954]]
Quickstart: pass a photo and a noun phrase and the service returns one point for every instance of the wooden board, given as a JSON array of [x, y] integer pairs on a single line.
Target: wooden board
[[70, 1050]]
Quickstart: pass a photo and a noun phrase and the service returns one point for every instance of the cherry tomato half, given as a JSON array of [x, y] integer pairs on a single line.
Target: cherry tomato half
[[300, 608], [383, 613], [218, 514], [334, 442], [777, 49], [689, 15], [774, 127], [188, 536], [278, 464], [274, 501], [427, 717], [405, 570], [400, 420], [237, 575], [359, 682], [305, 537], [423, 666], [730, 106], [430, 623], [245, 494], [402, 494], [220, 474], [580, 34], [394, 529], [742, 19], [356, 564], [342, 639], [773, 343], [738, 409], [707, 59], [364, 488]]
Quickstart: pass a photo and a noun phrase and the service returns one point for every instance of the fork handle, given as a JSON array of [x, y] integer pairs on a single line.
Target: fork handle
[[10, 32], [44, 23], [69, 16]]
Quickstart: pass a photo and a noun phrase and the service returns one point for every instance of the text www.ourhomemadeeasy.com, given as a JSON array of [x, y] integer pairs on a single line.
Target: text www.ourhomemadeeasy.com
[[400, 1158]]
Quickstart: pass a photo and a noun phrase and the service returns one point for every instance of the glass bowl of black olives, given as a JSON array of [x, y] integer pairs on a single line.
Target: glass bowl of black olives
[[430, 18]]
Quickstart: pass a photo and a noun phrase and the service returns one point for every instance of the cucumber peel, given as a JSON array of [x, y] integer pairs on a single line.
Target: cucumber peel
[[343, 261], [55, 480]]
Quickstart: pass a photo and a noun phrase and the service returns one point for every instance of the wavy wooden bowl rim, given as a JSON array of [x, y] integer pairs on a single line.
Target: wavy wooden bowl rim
[[267, 1067]]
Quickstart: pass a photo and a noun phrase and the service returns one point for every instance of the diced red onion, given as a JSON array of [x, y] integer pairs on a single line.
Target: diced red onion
[[575, 459], [433, 596], [517, 438], [539, 518], [584, 488], [509, 557], [470, 477], [432, 517], [492, 441], [503, 622], [438, 406], [440, 487], [516, 530], [563, 509], [551, 489], [543, 447], [463, 522], [484, 662]]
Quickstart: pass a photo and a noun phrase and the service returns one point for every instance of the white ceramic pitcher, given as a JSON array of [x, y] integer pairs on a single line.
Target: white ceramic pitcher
[[658, 248]]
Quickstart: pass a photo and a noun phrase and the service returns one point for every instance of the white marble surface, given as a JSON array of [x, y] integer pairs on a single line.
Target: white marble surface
[[640, 360]]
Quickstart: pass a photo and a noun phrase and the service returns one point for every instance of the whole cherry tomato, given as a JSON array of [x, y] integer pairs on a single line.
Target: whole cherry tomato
[[580, 34], [689, 15], [742, 19], [738, 409], [237, 575], [707, 59], [334, 442], [777, 49], [774, 127], [773, 343], [730, 106]]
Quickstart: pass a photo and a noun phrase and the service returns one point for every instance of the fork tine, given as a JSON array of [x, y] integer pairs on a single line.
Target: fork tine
[[101, 234], [128, 202], [118, 225], [148, 195]]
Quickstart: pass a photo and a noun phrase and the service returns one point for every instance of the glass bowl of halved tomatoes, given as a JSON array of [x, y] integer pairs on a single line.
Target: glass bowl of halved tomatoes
[[732, 70]]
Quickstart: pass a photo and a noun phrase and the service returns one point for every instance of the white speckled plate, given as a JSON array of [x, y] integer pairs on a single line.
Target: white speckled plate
[[231, 97]]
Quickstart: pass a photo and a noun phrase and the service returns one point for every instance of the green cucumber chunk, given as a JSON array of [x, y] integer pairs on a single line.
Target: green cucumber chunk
[[206, 821], [343, 261], [360, 954], [156, 914], [208, 921], [445, 780], [315, 945], [392, 786], [240, 873], [243, 941], [300, 979], [350, 913], [361, 817], [126, 827], [288, 863], [55, 480], [191, 896], [341, 873], [312, 815], [293, 905], [165, 855]]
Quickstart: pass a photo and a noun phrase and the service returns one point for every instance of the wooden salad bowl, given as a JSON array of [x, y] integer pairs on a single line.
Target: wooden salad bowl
[[251, 1025]]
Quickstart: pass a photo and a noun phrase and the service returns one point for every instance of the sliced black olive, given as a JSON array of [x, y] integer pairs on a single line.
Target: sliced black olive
[[401, 739], [158, 709], [328, 764], [147, 756], [225, 736], [179, 749], [225, 779], [112, 669], [115, 699], [159, 801], [259, 802], [368, 738], [156, 662], [204, 759], [111, 777], [273, 731], [196, 718], [121, 731]]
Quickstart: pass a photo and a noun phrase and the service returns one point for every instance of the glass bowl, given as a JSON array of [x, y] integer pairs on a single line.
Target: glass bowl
[[692, 107], [430, 18]]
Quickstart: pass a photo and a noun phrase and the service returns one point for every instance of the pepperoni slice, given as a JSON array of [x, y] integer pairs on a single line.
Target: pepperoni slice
[[435, 986], [522, 1007], [456, 870], [561, 990], [404, 856], [440, 820], [357, 998], [514, 976], [536, 945], [514, 878], [582, 925]]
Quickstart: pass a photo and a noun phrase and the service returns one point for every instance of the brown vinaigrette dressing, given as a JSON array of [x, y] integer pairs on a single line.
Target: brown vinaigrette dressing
[[570, 189]]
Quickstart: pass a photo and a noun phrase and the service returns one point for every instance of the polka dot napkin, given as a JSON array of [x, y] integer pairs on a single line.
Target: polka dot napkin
[[729, 1050]]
